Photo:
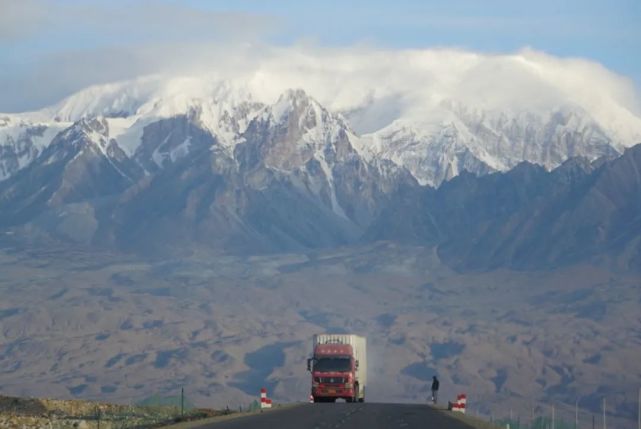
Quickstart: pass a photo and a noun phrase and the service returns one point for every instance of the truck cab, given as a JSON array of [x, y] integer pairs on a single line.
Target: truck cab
[[335, 370]]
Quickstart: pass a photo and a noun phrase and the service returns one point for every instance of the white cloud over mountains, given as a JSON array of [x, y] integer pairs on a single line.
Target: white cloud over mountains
[[50, 49], [374, 87], [412, 82]]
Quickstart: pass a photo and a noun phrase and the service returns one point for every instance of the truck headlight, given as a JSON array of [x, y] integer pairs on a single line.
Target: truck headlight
[[348, 385]]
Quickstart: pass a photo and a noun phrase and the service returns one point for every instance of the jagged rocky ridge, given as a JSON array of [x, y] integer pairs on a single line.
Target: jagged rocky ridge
[[527, 218], [230, 173], [291, 180]]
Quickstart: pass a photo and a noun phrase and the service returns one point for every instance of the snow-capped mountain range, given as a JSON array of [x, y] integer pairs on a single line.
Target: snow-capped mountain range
[[160, 160], [434, 135]]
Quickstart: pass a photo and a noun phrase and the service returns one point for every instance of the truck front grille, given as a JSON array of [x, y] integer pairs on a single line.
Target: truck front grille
[[332, 380]]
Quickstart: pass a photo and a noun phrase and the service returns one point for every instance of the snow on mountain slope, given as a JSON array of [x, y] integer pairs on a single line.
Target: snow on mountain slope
[[80, 165], [220, 106], [21, 142], [297, 135], [297, 128], [119, 99], [456, 138], [87, 137], [128, 107], [434, 112]]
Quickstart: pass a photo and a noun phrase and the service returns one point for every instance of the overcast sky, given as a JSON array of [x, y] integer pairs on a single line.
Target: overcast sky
[[49, 49]]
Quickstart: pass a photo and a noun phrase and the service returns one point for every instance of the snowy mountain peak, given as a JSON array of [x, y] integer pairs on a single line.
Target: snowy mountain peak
[[293, 131], [86, 133], [460, 138], [296, 95], [93, 125], [294, 102], [434, 113], [120, 99]]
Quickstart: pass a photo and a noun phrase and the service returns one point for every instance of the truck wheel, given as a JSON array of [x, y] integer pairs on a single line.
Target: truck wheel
[[361, 399]]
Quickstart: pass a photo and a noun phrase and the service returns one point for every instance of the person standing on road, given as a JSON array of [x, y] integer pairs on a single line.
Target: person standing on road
[[435, 386]]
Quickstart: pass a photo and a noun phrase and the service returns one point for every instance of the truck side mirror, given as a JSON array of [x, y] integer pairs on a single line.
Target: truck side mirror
[[309, 364]]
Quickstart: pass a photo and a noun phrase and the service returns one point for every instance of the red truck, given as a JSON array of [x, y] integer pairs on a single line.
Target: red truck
[[339, 367]]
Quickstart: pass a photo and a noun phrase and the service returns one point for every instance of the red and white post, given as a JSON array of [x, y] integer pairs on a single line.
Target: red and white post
[[265, 402], [461, 402]]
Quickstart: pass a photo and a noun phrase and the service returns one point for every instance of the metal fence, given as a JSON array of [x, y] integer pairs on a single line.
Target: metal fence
[[560, 415]]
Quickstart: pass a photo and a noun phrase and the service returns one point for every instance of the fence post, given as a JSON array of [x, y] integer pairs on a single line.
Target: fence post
[[604, 426], [182, 402], [531, 414], [576, 414]]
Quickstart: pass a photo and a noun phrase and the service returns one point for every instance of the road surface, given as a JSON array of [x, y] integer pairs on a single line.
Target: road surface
[[345, 416]]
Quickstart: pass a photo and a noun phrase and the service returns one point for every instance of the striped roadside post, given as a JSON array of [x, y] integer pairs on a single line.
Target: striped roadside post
[[460, 404], [265, 402]]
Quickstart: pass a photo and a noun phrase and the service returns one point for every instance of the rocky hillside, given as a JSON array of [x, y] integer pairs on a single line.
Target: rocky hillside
[[144, 166], [527, 218]]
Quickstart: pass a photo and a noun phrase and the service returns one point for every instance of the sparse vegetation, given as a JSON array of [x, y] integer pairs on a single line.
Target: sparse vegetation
[[502, 337], [22, 413]]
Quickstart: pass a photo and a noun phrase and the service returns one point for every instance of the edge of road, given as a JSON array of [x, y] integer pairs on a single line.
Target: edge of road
[[473, 421], [192, 424], [476, 422]]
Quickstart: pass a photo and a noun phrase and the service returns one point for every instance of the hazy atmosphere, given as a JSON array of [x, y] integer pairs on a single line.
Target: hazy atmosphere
[[48, 50], [192, 193]]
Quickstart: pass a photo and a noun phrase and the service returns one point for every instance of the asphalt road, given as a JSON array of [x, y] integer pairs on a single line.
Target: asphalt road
[[342, 415]]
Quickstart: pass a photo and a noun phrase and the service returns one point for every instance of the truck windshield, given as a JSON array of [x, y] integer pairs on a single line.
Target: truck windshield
[[338, 364]]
